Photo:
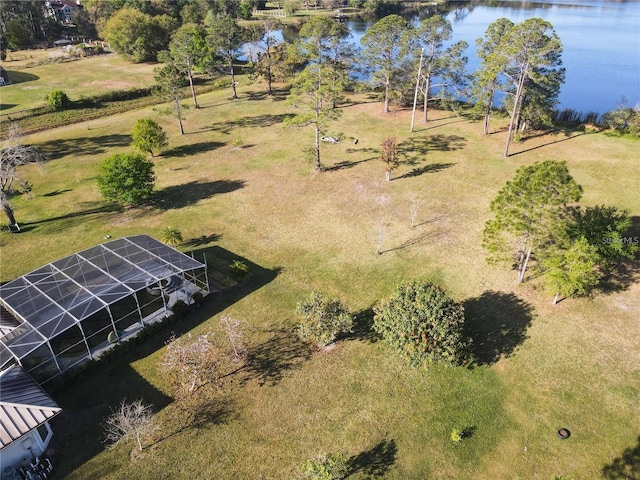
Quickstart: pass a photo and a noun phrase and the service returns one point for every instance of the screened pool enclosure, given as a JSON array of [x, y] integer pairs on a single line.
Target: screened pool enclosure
[[72, 309]]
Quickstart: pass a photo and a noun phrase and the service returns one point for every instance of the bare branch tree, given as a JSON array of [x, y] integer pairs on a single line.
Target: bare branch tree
[[234, 330], [192, 361], [13, 155], [380, 236], [129, 420], [415, 207]]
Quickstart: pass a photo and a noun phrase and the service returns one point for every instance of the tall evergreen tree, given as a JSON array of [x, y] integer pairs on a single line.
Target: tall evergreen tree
[[447, 64], [262, 36], [225, 38], [169, 83], [486, 79], [386, 46], [531, 210], [571, 271], [324, 41], [187, 51], [311, 93], [23, 23], [530, 53]]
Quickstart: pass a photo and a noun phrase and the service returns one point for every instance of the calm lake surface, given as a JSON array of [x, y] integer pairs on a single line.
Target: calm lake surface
[[600, 38], [601, 42]]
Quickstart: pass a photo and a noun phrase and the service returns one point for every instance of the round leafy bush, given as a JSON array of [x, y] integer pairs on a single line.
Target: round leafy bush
[[323, 319], [180, 309], [423, 323], [126, 178], [58, 100], [325, 467], [148, 136]]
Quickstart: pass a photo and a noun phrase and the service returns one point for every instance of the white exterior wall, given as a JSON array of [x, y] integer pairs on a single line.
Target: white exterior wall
[[13, 454]]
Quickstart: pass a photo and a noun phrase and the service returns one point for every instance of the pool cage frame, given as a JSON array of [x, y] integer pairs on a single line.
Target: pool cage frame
[[75, 308]]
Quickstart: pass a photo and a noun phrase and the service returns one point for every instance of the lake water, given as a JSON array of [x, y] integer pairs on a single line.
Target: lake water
[[601, 45], [600, 38]]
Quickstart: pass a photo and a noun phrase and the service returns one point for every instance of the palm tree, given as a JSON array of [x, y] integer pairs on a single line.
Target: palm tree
[[171, 237]]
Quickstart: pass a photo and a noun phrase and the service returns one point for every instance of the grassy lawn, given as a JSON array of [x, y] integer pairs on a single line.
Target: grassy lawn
[[237, 180], [32, 80]]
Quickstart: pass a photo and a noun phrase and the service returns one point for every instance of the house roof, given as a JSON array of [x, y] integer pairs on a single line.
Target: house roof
[[24, 406], [61, 294], [59, 4]]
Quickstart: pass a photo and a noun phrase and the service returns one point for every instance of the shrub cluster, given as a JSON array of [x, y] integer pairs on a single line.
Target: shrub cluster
[[423, 323], [58, 100], [126, 178], [323, 319], [148, 136], [625, 120]]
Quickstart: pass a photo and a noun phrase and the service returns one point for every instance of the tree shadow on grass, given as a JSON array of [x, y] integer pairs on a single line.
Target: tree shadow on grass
[[21, 77], [83, 145], [256, 121], [415, 148], [55, 193], [179, 196], [371, 150], [343, 165], [62, 222], [87, 402], [198, 414], [620, 277], [432, 168], [416, 240], [202, 240], [374, 462], [214, 411], [192, 149], [278, 94], [626, 466], [435, 219], [363, 327], [568, 135], [497, 322], [269, 361], [439, 122]]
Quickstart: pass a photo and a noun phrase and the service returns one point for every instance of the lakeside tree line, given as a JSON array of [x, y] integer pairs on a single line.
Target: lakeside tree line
[[30, 23], [520, 69]]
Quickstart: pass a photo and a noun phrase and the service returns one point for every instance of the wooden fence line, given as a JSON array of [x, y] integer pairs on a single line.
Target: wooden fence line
[[270, 13]]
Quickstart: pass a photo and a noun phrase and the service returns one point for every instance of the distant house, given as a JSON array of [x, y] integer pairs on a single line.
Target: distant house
[[4, 77], [63, 10], [25, 411]]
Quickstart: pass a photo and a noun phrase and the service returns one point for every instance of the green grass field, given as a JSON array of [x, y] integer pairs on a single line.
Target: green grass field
[[238, 181], [33, 79]]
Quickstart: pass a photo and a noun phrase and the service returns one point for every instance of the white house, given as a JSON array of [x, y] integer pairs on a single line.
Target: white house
[[25, 411], [63, 10]]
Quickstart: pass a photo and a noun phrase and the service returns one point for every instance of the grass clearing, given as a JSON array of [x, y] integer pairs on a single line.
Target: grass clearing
[[32, 80], [237, 180]]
